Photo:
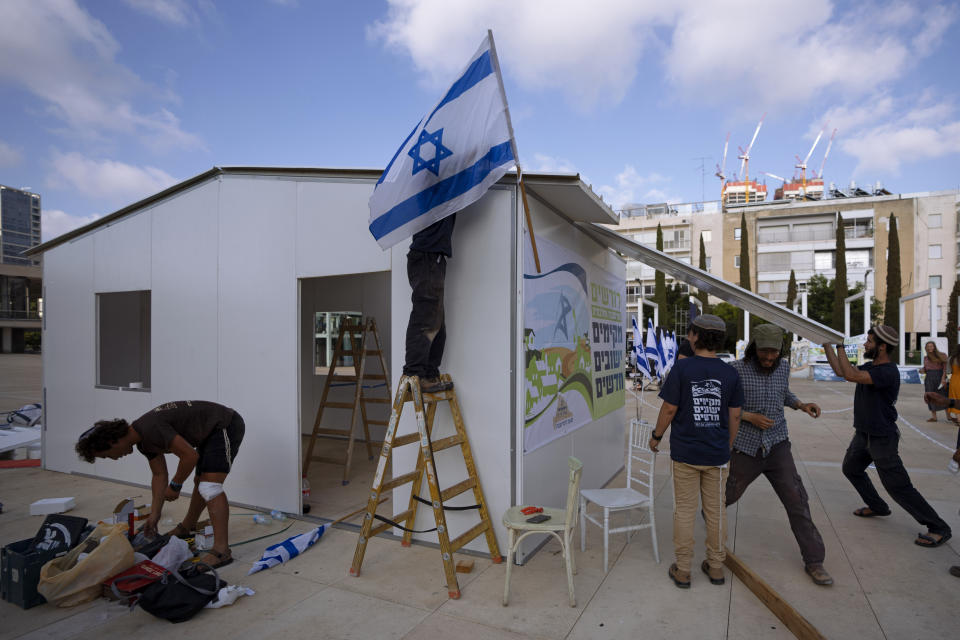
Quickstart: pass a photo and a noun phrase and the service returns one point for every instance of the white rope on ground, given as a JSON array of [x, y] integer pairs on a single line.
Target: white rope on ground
[[936, 442], [641, 400]]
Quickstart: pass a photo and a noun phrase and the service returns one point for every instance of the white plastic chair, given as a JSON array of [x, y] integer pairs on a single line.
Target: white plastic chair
[[561, 521], [640, 466]]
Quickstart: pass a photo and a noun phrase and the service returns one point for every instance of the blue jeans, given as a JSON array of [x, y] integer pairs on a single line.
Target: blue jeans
[[883, 452]]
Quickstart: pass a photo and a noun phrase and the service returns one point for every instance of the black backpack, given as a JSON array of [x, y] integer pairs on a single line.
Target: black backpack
[[176, 597]]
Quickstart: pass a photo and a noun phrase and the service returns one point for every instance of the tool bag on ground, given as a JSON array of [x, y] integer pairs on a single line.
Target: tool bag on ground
[[176, 597], [69, 580]]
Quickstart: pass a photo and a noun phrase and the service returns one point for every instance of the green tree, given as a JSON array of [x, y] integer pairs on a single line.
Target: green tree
[[891, 310], [744, 269], [840, 282], [660, 283], [730, 315], [820, 299], [791, 301], [701, 294], [952, 317]]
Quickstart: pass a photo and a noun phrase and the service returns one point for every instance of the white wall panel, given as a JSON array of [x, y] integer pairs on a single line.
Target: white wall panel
[[122, 254], [185, 323], [258, 337], [69, 361], [332, 235], [478, 296]]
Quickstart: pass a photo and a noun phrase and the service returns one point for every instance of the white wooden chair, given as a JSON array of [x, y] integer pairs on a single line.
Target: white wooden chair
[[638, 494], [561, 521]]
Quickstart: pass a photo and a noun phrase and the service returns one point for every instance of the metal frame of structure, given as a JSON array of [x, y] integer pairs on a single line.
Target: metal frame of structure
[[746, 300]]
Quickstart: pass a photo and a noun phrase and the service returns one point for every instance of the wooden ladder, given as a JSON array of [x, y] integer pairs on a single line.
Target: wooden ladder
[[409, 390], [352, 342]]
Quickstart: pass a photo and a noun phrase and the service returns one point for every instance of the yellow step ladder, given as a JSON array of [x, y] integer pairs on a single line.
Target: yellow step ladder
[[425, 405], [351, 343]]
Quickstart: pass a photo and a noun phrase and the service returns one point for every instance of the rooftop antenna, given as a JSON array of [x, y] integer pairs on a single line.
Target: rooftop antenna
[[745, 159]]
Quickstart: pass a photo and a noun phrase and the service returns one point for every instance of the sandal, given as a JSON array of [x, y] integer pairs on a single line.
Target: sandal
[[867, 512], [927, 540], [222, 559]]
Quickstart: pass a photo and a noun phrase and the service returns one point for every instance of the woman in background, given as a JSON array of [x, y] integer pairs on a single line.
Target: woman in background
[[953, 367], [933, 364]]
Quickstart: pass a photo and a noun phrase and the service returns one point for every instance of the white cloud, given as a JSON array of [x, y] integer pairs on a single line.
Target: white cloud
[[54, 222], [107, 179], [774, 52], [846, 118], [67, 58], [631, 187], [550, 164], [175, 12], [9, 156], [891, 145], [590, 55]]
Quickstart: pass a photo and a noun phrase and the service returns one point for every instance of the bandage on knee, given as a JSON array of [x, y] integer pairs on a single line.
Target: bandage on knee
[[210, 490]]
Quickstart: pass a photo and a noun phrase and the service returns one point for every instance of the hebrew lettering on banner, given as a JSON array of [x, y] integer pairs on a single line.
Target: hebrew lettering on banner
[[575, 344]]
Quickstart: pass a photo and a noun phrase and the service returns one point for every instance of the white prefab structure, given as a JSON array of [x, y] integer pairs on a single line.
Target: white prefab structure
[[211, 289]]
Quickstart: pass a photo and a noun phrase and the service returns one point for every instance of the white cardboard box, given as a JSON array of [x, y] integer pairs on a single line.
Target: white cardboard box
[[52, 505]]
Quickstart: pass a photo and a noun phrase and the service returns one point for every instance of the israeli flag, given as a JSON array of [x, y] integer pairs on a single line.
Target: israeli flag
[[290, 548], [643, 365], [653, 349], [454, 154]]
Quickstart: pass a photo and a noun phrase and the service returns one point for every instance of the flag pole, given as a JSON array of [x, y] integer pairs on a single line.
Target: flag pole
[[516, 155]]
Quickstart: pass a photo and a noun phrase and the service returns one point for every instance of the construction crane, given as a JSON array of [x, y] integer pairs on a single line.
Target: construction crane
[[722, 167], [802, 164], [826, 153], [745, 159], [776, 177]]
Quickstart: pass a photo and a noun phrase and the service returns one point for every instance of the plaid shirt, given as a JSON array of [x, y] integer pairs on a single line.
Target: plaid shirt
[[767, 394]]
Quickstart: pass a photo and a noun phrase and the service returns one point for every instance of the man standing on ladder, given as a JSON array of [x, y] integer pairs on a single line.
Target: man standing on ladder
[[426, 330]]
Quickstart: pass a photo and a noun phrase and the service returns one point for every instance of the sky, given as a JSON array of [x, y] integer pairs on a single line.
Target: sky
[[105, 102]]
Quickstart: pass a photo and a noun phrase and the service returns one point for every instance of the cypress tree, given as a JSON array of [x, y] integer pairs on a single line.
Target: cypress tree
[[952, 317], [660, 283], [744, 269], [701, 294], [891, 310], [791, 301], [840, 281]]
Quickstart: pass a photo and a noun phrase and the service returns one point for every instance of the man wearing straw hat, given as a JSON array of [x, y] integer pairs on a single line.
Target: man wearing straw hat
[[876, 438], [763, 445]]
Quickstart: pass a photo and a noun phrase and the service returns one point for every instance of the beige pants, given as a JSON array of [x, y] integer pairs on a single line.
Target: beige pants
[[691, 482]]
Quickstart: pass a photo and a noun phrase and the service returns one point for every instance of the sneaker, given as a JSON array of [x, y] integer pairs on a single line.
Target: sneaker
[[715, 575], [434, 385], [680, 578], [818, 574], [955, 571]]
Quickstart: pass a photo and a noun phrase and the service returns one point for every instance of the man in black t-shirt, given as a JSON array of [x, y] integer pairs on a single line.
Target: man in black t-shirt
[[205, 436], [876, 438], [702, 397], [426, 330]]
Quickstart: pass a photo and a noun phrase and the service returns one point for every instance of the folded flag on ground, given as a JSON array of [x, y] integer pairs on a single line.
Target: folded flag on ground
[[289, 548]]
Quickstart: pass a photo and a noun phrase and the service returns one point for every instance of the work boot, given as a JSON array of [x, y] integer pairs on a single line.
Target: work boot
[[434, 385], [818, 574], [680, 578], [715, 575]]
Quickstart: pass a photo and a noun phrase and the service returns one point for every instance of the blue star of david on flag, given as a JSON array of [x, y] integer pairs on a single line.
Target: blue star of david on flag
[[433, 164]]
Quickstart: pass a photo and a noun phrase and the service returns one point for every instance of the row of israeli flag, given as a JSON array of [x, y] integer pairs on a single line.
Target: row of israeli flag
[[660, 348], [454, 154]]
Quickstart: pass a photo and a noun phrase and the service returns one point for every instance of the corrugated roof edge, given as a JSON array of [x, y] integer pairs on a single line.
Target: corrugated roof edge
[[364, 174]]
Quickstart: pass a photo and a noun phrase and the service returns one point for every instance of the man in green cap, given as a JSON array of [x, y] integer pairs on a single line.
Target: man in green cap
[[763, 445]]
